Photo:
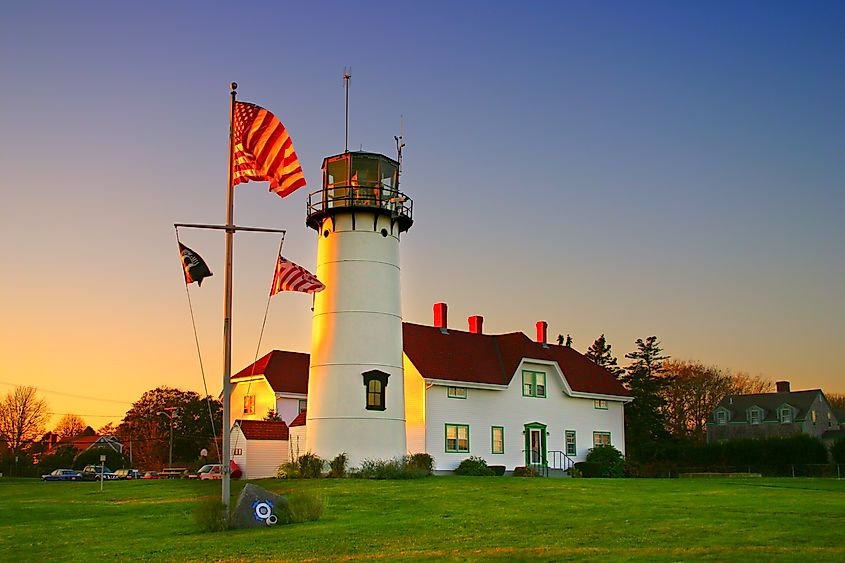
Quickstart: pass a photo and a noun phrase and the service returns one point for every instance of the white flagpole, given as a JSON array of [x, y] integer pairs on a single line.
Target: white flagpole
[[227, 312]]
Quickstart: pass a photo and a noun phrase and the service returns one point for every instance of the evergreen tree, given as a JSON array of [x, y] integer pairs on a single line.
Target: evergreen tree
[[561, 341], [644, 416], [600, 353]]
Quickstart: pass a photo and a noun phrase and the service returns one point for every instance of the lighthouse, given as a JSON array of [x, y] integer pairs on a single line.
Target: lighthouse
[[356, 400]]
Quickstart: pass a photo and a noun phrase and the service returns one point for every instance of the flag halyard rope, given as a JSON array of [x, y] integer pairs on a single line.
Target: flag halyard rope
[[199, 357], [260, 337]]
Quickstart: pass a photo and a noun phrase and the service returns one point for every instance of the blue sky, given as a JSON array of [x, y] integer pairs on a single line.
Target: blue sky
[[610, 167]]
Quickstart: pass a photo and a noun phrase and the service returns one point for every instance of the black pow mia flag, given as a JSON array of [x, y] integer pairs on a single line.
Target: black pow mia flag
[[195, 267]]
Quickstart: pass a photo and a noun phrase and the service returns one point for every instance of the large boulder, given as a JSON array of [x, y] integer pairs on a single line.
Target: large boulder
[[257, 508]]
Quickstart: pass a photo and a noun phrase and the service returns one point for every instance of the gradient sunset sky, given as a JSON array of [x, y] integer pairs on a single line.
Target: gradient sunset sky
[[627, 168]]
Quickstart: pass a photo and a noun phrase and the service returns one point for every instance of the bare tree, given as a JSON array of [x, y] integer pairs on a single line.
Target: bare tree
[[747, 384], [836, 400], [694, 392], [23, 417], [70, 425]]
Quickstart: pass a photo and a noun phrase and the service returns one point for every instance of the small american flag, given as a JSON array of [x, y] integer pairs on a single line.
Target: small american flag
[[292, 277], [263, 150]]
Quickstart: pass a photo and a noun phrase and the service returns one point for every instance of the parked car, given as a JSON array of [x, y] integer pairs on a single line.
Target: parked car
[[128, 474], [211, 471], [62, 475], [150, 475], [94, 472]]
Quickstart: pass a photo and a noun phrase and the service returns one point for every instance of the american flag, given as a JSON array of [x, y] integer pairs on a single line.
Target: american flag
[[292, 277], [263, 150]]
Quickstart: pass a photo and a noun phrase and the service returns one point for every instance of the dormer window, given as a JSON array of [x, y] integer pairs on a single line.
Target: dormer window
[[785, 413], [721, 417], [755, 415]]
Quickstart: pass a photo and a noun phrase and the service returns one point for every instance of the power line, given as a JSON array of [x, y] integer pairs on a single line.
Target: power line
[[89, 415], [70, 394]]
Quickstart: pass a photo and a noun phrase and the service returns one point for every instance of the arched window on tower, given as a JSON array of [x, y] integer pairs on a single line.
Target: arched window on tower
[[375, 382]]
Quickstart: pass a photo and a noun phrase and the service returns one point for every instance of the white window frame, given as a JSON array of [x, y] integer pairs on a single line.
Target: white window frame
[[755, 416]]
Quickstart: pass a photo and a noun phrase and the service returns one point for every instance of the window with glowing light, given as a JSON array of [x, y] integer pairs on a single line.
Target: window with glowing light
[[375, 383], [249, 404], [456, 392], [498, 439], [600, 404], [601, 438], [457, 438]]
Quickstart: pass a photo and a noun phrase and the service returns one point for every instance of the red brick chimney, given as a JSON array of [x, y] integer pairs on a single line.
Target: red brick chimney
[[440, 310], [542, 332], [782, 386], [475, 323]]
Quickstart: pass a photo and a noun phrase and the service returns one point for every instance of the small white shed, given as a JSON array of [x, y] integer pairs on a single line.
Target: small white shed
[[259, 447]]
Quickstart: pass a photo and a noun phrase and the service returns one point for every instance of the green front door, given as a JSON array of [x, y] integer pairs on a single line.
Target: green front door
[[535, 444]]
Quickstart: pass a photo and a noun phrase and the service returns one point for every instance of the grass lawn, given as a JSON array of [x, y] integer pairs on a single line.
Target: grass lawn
[[439, 518]]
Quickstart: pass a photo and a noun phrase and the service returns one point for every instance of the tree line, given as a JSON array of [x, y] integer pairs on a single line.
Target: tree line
[[26, 447], [672, 398]]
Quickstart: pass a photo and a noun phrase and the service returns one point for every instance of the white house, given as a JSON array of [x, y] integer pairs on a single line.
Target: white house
[[505, 398]]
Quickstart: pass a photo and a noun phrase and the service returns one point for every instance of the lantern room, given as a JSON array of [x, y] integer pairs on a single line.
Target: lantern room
[[360, 182]]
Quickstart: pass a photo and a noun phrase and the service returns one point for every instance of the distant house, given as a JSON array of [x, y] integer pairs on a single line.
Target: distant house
[[779, 414], [86, 440]]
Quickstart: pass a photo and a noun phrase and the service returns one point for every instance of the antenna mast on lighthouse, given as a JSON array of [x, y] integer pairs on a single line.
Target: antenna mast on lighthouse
[[347, 75]]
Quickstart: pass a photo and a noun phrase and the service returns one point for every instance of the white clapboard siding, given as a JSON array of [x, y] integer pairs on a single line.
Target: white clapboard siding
[[258, 459]]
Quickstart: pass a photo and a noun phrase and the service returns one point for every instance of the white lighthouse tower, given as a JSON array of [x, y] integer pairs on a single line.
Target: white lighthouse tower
[[356, 400]]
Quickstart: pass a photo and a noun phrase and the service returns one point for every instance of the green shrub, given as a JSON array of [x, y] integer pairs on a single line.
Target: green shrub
[[522, 471], [398, 468], [497, 470], [474, 465], [310, 466], [305, 506], [338, 466], [422, 461], [210, 515], [574, 472], [838, 450], [289, 470], [611, 462], [588, 469], [62, 457]]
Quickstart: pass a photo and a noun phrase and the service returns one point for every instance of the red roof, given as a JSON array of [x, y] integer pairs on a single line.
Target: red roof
[[286, 372], [299, 420], [263, 429], [455, 356], [485, 358]]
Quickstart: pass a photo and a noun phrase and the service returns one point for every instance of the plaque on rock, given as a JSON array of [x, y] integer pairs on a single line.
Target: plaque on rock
[[257, 508]]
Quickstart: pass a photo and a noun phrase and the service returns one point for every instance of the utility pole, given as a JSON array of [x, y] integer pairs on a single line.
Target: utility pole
[[171, 414]]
